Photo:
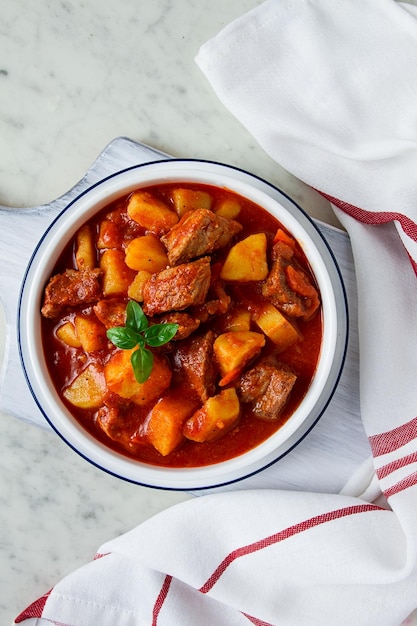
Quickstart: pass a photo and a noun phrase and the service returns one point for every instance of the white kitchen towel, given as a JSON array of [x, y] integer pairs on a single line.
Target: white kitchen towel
[[329, 89]]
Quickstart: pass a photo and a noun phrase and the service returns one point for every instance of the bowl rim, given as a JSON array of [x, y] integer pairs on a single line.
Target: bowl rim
[[86, 204]]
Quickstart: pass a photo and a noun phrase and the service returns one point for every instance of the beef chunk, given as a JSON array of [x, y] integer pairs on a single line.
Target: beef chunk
[[288, 287], [111, 312], [194, 359], [117, 418], [198, 232], [71, 288], [176, 288], [217, 301], [268, 387], [186, 323]]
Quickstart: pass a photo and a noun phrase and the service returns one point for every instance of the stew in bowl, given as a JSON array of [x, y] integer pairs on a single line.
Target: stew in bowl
[[180, 327]]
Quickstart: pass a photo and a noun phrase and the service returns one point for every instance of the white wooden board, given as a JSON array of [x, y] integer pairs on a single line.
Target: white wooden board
[[323, 461]]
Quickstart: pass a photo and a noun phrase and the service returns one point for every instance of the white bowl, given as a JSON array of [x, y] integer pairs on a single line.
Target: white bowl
[[334, 312]]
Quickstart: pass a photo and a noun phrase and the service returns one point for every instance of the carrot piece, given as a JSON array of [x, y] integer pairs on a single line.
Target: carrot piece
[[281, 235], [299, 282]]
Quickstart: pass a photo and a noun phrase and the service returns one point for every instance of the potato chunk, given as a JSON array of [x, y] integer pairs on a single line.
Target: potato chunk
[[117, 276], [91, 333], [233, 350], [228, 208], [189, 200], [88, 389], [85, 253], [135, 290], [218, 416], [275, 326], [121, 380], [247, 260], [166, 422], [238, 319], [67, 334], [150, 212], [146, 253]]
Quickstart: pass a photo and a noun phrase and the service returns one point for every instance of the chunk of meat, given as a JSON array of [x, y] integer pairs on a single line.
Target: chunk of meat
[[176, 288], [111, 312], [198, 232], [71, 288], [267, 387], [220, 303], [118, 419], [194, 359], [186, 323], [289, 288], [217, 302]]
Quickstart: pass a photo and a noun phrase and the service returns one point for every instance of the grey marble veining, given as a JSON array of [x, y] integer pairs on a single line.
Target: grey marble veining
[[76, 75], [56, 511]]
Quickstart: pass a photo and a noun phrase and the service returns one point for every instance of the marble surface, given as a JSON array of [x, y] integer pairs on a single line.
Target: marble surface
[[74, 75]]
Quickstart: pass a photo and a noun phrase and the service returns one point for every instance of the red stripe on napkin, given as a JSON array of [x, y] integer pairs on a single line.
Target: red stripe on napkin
[[405, 483], [34, 610], [393, 439], [100, 555], [161, 599], [387, 469], [256, 621], [375, 217], [280, 536], [260, 545]]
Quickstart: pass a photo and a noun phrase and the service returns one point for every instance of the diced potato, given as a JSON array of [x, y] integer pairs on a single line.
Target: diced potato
[[91, 333], [246, 260], [117, 276], [135, 290], [238, 319], [166, 422], [85, 252], [233, 350], [189, 200], [120, 378], [146, 253], [109, 235], [88, 389], [218, 416], [67, 334], [276, 326], [228, 208], [150, 212]]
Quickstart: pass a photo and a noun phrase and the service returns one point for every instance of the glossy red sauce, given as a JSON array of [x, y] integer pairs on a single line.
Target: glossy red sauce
[[65, 363]]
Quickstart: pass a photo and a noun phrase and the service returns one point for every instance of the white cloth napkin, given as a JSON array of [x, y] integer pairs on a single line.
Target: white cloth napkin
[[329, 89]]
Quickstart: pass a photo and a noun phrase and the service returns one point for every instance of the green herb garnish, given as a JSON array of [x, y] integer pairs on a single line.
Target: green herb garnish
[[138, 332]]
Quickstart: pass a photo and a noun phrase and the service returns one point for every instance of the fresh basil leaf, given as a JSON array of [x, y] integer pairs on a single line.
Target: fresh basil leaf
[[137, 333], [142, 363], [122, 337], [135, 317], [159, 334], [141, 340]]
